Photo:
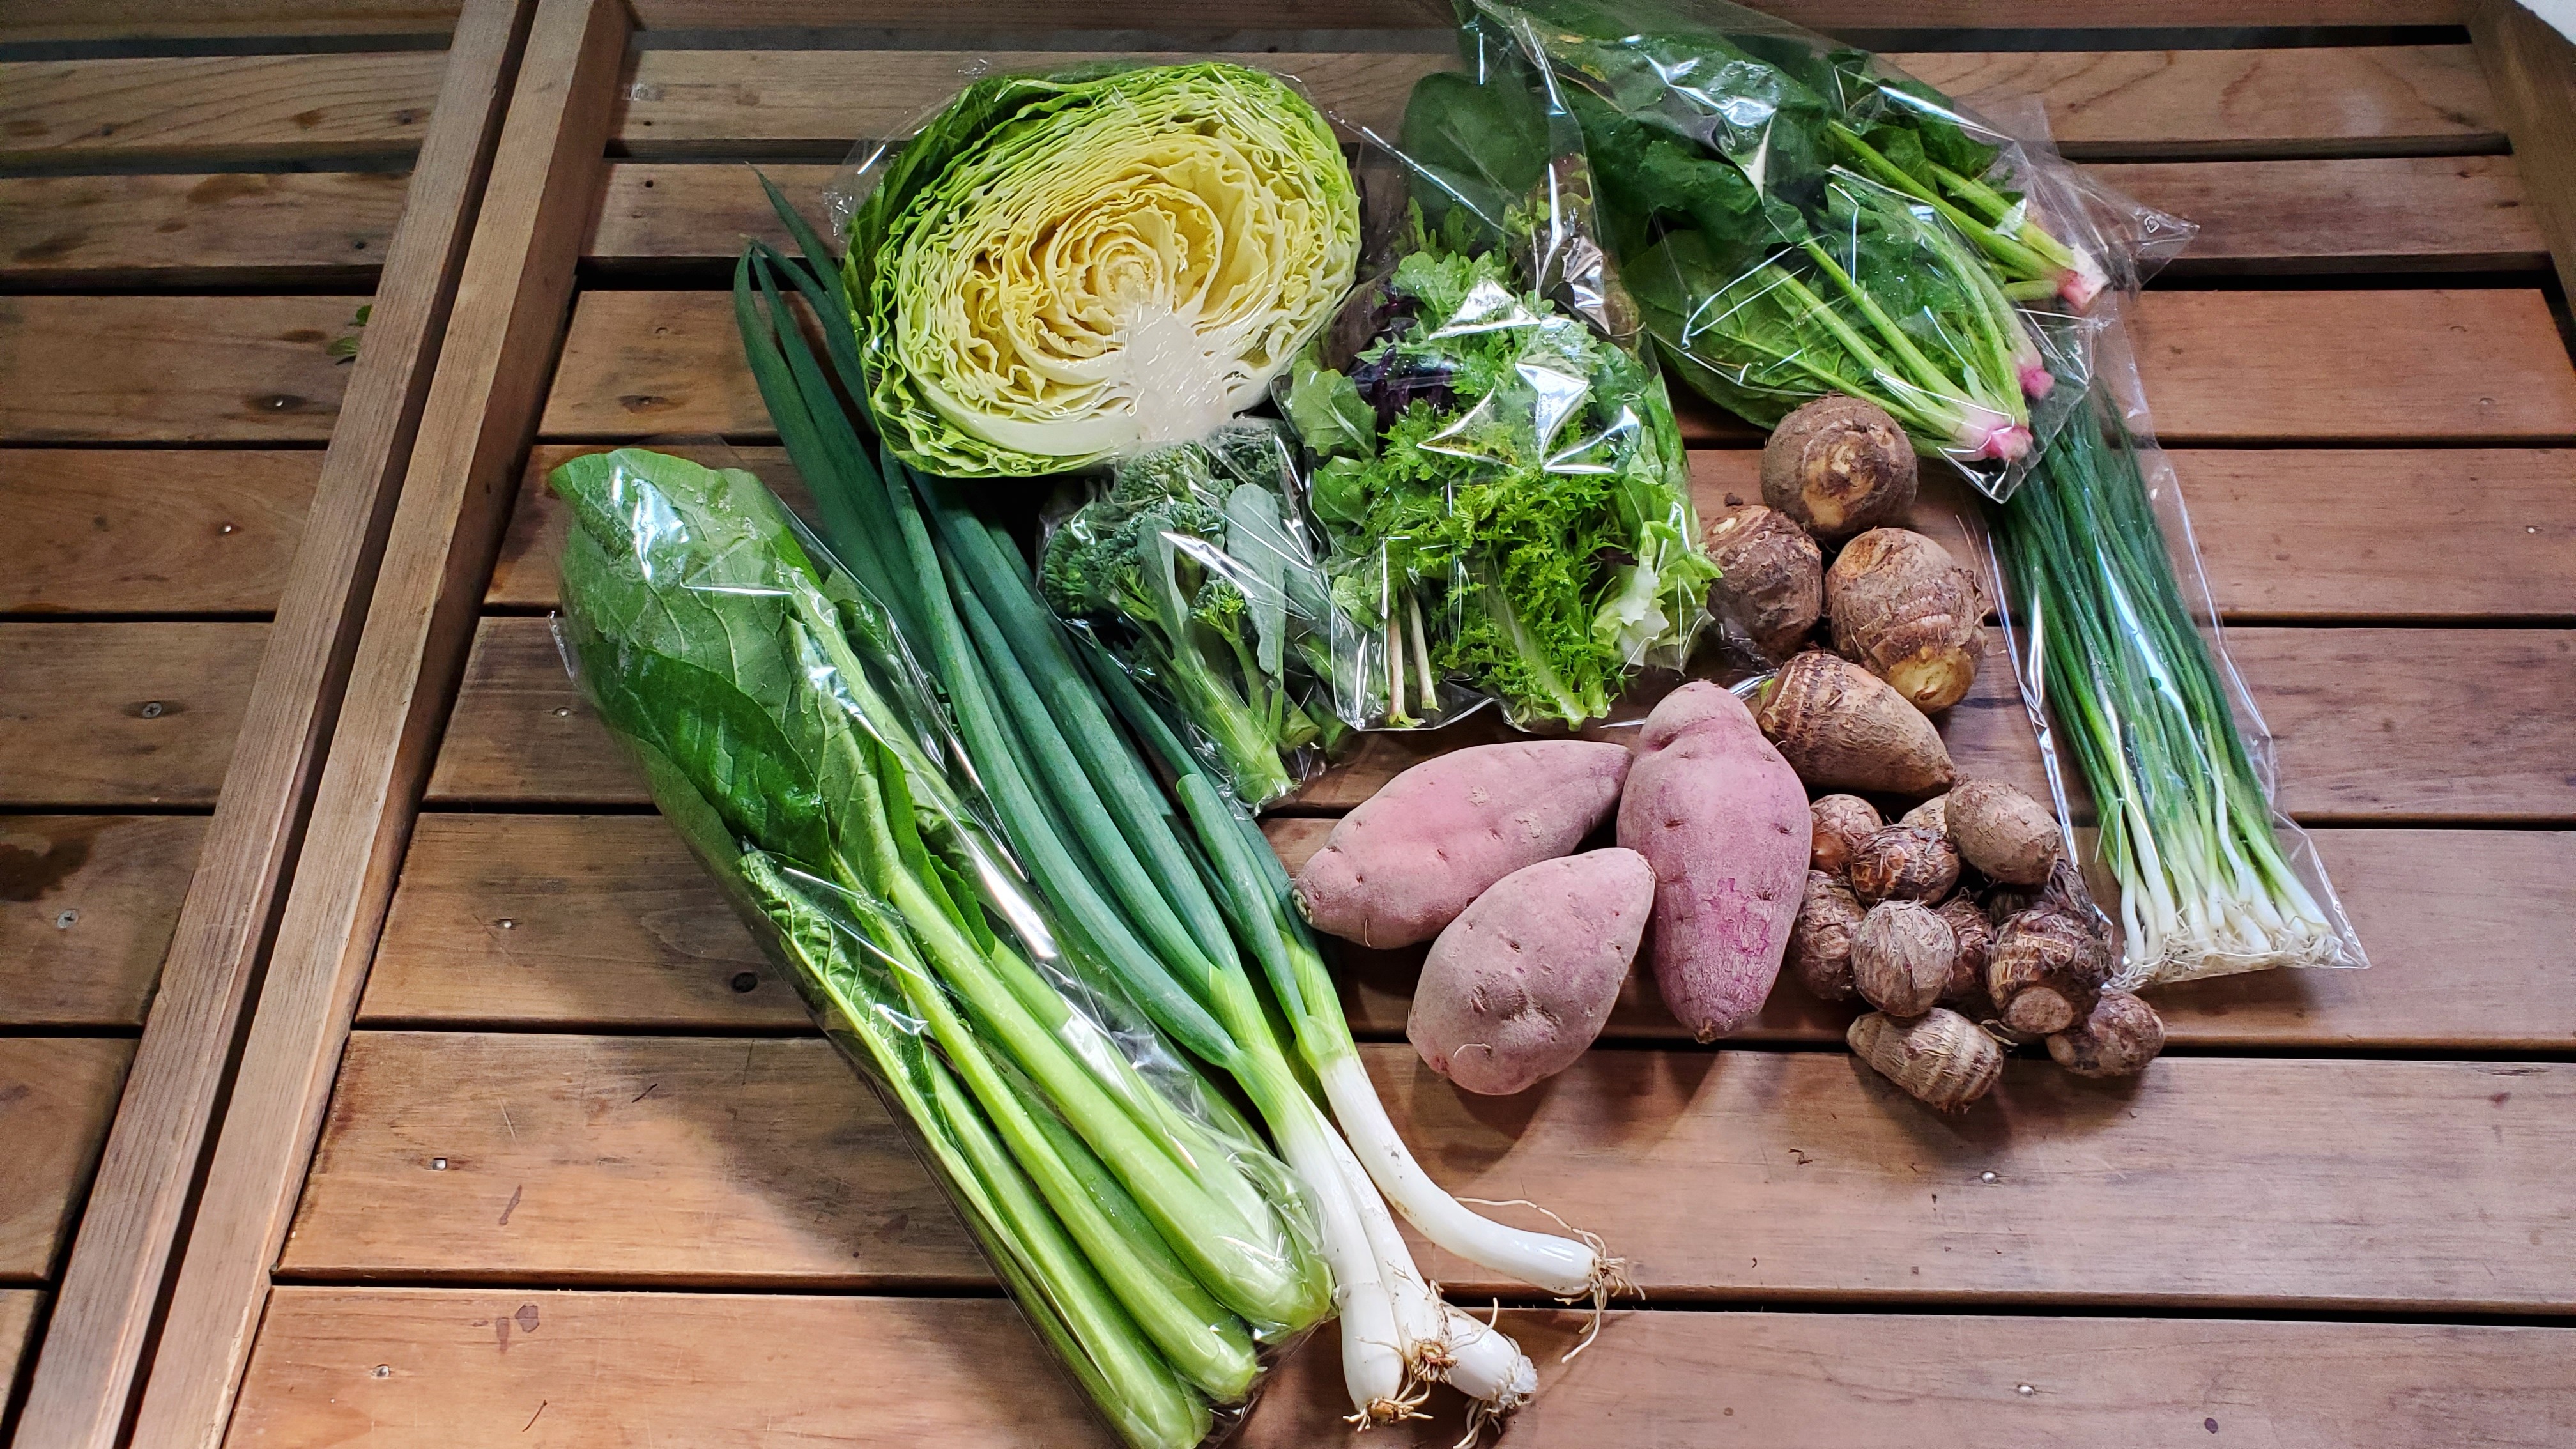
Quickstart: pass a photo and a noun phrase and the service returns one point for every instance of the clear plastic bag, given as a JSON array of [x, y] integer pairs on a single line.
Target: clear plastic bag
[[1150, 1238], [2122, 662], [1797, 218], [1195, 570], [1497, 472]]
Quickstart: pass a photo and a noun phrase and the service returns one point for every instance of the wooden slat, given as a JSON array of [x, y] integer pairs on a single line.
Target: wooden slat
[[612, 925], [171, 369], [1829, 15], [419, 1368], [232, 227], [2374, 724], [112, 1287], [17, 1327], [474, 424], [1831, 1184], [107, 530], [193, 19], [2531, 67], [55, 1097], [2100, 103], [2436, 365], [2378, 213], [87, 905], [218, 107], [121, 714]]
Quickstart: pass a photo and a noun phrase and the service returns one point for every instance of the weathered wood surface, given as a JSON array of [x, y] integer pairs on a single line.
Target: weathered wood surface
[[87, 905], [102, 531], [171, 369], [2153, 103], [2403, 366], [2393, 212], [421, 1368], [121, 714], [610, 924], [2379, 725], [34, 20], [18, 1307], [228, 227], [56, 1094], [217, 107], [2531, 68], [1173, 15], [703, 1160]]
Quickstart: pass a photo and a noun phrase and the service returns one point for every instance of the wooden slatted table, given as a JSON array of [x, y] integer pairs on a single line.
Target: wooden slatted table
[[530, 1145]]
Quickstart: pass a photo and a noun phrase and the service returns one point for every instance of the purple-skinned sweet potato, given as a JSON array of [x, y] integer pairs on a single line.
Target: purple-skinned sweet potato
[[1725, 823], [1411, 857], [1520, 983]]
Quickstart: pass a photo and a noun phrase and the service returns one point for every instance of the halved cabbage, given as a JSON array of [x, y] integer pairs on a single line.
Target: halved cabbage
[[1060, 271]]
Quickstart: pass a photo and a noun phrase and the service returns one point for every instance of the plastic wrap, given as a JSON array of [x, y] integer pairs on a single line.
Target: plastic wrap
[[1152, 1241], [2124, 666], [1194, 568], [1797, 218], [1497, 472]]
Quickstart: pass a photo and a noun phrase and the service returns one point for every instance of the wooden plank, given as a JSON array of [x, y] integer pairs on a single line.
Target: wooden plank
[[2323, 1190], [56, 1093], [2405, 366], [113, 1284], [229, 228], [107, 530], [18, 1308], [474, 425], [2531, 69], [394, 1368], [2150, 103], [613, 926], [122, 714], [87, 906], [524, 574], [1828, 15], [2373, 724], [194, 19], [825, 1177], [217, 107], [2377, 213], [171, 369]]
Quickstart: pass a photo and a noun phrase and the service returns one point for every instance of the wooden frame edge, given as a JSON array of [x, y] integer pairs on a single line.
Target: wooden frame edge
[[2531, 68], [512, 304], [125, 1242]]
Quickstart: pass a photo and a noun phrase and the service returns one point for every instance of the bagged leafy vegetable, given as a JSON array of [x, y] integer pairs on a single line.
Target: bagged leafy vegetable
[[1151, 1239], [1797, 219], [1498, 474]]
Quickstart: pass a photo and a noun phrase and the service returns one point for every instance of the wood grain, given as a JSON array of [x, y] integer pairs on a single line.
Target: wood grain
[[171, 369], [2531, 69], [474, 423], [1830, 15], [2158, 103], [407, 1368], [31, 20], [56, 1094], [1834, 1185], [112, 1287], [122, 714], [18, 1308], [87, 907], [2376, 213], [2405, 366], [217, 107], [612, 925], [104, 531], [227, 228]]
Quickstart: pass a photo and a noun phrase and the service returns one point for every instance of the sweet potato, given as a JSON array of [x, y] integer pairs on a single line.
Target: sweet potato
[[1725, 823], [1520, 983], [1412, 856]]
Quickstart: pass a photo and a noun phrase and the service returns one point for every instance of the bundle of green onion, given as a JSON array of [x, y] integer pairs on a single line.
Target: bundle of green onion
[[2205, 889]]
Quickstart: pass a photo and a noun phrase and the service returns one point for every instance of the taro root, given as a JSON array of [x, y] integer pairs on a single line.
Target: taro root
[[1820, 943], [1900, 957], [1933, 814], [1842, 823], [2046, 967], [2120, 1036], [2001, 831], [1837, 466], [1843, 728], [1904, 862], [1905, 611], [1972, 938], [1771, 577], [1942, 1059]]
